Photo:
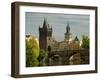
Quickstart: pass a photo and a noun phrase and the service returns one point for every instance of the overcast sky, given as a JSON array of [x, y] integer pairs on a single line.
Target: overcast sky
[[79, 24]]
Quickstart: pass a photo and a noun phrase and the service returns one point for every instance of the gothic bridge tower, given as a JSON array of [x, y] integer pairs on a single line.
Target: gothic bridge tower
[[45, 34]]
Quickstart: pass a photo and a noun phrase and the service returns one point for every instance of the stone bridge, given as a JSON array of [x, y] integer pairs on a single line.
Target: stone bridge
[[63, 57]]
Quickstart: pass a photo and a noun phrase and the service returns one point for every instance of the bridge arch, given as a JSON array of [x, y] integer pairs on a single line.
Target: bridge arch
[[55, 60], [75, 59]]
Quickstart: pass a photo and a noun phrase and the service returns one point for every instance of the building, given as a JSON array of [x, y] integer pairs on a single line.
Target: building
[[46, 41]]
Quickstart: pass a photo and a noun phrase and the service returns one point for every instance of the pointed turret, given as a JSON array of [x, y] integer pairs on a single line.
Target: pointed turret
[[76, 39], [45, 24]]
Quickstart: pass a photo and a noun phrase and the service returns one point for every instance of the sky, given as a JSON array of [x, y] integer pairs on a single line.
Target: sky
[[79, 24]]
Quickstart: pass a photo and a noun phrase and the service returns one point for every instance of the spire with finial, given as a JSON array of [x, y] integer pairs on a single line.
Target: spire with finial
[[67, 34], [68, 28]]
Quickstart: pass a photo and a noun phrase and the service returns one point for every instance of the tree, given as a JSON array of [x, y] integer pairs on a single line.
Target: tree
[[85, 42], [32, 52], [42, 57], [33, 43]]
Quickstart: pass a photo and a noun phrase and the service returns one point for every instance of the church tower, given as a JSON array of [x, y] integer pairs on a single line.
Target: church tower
[[68, 34], [45, 34]]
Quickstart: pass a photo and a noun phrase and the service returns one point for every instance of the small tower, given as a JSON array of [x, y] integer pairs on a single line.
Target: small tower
[[67, 34], [76, 43], [45, 33], [76, 39]]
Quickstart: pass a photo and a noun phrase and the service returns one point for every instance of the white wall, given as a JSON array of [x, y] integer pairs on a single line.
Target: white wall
[[5, 40]]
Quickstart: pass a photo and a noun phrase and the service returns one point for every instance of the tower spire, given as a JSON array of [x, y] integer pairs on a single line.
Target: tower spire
[[67, 34], [45, 24], [68, 28]]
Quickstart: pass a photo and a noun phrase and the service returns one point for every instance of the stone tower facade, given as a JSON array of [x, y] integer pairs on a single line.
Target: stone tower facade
[[45, 35]]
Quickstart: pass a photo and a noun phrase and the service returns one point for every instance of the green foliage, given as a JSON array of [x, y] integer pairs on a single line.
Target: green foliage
[[35, 62], [85, 42], [42, 54], [29, 56], [42, 57], [34, 46], [32, 53]]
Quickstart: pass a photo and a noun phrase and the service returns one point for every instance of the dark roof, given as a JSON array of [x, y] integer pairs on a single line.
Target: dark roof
[[76, 39]]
